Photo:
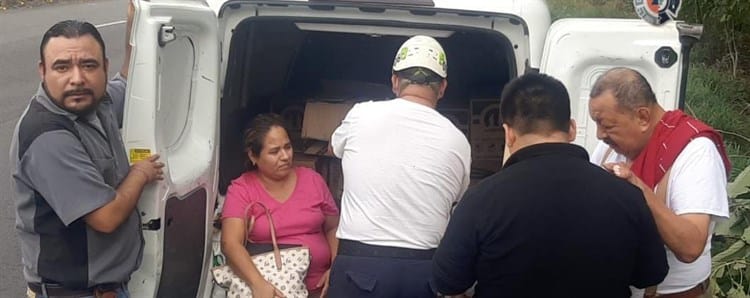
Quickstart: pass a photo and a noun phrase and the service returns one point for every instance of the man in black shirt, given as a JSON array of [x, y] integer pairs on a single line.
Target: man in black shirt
[[549, 224]]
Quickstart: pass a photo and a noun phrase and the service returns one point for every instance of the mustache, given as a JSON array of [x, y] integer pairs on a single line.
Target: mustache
[[76, 92]]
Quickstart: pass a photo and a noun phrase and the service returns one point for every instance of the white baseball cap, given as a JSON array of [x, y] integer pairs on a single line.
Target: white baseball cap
[[421, 51]]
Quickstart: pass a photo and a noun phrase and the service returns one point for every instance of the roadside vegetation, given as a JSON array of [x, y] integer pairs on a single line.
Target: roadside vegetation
[[718, 93]]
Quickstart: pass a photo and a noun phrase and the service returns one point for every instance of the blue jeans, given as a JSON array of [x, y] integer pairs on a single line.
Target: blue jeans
[[121, 293]]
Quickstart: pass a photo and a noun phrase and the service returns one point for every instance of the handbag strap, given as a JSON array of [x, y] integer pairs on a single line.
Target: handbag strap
[[249, 228]]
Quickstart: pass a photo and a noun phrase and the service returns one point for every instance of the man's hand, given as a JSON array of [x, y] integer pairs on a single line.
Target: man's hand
[[125, 68], [685, 235], [622, 170], [149, 168], [108, 218]]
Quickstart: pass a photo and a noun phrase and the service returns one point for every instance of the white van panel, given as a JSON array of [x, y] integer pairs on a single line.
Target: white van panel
[[534, 13], [175, 86], [578, 51], [172, 110]]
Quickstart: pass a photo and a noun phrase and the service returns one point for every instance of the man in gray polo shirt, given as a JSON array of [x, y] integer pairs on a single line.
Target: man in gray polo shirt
[[75, 192]]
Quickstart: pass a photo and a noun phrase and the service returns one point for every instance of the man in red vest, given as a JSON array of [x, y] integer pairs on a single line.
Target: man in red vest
[[679, 163]]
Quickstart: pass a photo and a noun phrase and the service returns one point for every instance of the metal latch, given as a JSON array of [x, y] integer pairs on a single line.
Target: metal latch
[[166, 35], [152, 225]]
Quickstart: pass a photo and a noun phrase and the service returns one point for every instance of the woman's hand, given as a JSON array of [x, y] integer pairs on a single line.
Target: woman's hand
[[264, 289], [324, 280]]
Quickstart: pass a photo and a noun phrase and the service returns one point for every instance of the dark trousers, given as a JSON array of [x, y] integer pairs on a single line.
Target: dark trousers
[[376, 271]]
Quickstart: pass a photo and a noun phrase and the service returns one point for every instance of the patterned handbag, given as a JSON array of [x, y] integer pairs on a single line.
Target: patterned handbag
[[284, 268]]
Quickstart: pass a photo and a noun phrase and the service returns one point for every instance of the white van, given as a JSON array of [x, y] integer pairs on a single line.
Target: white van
[[200, 72]]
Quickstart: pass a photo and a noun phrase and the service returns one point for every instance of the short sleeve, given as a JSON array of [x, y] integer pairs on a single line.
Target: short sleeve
[[344, 131], [697, 182], [116, 91], [237, 199], [60, 169], [328, 205]]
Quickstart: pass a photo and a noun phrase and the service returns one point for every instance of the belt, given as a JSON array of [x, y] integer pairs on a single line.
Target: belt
[[693, 292], [359, 249], [57, 290]]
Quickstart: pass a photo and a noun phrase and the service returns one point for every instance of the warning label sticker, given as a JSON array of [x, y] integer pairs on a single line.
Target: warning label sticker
[[138, 154]]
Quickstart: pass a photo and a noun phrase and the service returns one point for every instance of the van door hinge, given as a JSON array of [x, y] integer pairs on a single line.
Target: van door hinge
[[166, 35]]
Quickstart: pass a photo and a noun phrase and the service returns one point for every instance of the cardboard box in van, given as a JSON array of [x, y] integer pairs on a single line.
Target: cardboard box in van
[[305, 160], [322, 118], [487, 137]]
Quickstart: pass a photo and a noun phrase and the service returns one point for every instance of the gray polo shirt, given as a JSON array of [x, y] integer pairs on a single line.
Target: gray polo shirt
[[64, 167]]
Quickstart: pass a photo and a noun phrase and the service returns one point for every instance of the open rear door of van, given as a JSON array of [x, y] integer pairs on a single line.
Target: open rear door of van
[[172, 110], [578, 51]]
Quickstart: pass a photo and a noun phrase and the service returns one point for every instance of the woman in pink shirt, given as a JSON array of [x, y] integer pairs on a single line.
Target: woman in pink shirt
[[300, 203]]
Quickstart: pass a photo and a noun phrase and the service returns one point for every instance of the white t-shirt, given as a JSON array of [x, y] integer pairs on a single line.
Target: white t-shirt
[[405, 165], [697, 184]]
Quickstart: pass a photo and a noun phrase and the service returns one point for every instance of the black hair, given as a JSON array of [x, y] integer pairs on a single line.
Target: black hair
[[536, 103], [71, 29], [256, 132], [629, 87]]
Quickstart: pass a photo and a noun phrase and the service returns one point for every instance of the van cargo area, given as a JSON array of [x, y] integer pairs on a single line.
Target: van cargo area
[[292, 66]]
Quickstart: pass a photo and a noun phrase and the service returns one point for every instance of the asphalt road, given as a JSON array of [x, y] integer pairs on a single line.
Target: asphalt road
[[21, 31]]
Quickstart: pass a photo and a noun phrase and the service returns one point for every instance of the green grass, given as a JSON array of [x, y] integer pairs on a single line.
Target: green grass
[[720, 100]]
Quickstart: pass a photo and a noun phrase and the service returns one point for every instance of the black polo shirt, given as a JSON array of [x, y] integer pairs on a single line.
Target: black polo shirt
[[550, 224]]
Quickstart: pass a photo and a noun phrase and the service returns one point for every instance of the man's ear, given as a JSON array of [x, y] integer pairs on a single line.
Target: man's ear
[[510, 135], [443, 86], [643, 118], [41, 70], [394, 84], [510, 139], [572, 130]]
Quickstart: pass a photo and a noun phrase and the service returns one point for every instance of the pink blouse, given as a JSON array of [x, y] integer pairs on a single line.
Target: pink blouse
[[298, 220]]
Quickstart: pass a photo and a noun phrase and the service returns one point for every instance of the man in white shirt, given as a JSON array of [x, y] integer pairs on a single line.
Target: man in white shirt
[[405, 166], [678, 162]]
